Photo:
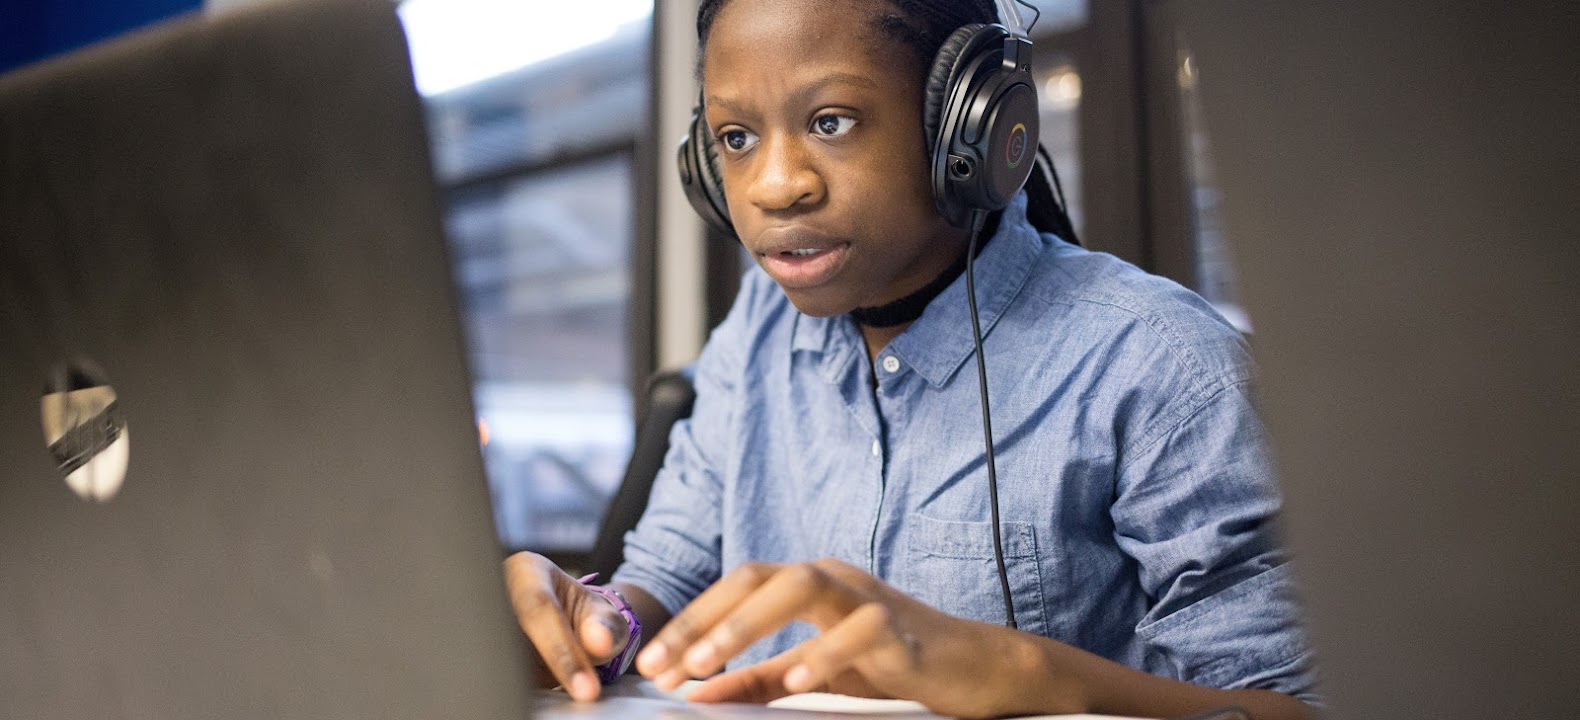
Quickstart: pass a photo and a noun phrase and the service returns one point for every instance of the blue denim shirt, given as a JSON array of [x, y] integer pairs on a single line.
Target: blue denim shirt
[[1134, 484]]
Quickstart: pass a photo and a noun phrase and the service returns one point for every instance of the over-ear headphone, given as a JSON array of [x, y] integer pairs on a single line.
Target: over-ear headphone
[[698, 161], [979, 118]]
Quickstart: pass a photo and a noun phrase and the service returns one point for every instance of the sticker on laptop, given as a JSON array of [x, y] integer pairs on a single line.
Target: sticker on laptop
[[85, 430]]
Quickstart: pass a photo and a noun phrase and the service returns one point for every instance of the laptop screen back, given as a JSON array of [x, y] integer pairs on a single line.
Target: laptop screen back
[[227, 226]]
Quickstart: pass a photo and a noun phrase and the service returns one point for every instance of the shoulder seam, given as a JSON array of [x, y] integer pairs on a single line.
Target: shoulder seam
[[1149, 439]]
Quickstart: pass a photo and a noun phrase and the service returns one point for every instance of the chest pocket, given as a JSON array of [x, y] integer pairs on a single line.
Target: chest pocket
[[949, 565]]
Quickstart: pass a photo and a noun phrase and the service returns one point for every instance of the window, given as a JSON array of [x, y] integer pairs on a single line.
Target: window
[[536, 112], [1214, 269], [1057, 69], [1059, 98], [1187, 237]]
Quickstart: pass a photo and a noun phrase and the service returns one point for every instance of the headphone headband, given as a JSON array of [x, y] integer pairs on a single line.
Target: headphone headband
[[1011, 16], [1017, 45]]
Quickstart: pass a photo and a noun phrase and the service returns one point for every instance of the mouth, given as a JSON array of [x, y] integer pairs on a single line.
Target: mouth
[[803, 262]]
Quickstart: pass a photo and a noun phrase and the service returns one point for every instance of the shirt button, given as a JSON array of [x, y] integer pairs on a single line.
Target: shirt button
[[876, 449], [891, 363]]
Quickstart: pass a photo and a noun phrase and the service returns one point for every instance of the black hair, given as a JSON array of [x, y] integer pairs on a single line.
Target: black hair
[[923, 26]]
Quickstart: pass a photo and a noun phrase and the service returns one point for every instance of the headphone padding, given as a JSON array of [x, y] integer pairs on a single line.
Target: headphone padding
[[712, 174], [946, 65], [700, 176]]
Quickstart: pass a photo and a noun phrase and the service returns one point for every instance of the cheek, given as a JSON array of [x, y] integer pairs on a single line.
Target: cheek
[[896, 199], [906, 172], [894, 167]]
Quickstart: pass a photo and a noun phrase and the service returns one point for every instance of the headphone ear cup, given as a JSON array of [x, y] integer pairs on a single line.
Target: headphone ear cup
[[697, 161], [987, 118], [962, 71], [946, 66]]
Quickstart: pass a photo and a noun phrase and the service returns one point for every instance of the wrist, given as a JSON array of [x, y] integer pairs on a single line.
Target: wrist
[[1041, 677]]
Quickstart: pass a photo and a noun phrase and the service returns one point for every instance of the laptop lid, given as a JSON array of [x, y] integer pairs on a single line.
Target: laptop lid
[[222, 270], [1399, 180]]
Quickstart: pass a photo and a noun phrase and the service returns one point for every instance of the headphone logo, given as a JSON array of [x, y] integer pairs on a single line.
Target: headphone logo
[[1016, 150]]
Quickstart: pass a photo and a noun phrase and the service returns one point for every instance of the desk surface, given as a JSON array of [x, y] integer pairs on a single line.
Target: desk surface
[[634, 698]]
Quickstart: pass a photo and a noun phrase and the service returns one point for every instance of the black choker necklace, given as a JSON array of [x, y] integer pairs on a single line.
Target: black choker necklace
[[908, 308]]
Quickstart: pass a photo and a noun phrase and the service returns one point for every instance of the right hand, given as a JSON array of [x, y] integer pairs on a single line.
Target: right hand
[[572, 628]]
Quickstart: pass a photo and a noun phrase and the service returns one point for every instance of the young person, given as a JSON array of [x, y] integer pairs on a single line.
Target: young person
[[833, 471]]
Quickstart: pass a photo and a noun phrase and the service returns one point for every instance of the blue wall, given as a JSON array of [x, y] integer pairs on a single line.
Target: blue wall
[[35, 29]]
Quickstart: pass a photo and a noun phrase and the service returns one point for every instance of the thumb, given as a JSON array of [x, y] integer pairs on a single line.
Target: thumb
[[600, 626]]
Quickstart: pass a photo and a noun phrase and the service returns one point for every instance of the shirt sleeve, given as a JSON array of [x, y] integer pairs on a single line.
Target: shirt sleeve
[[674, 551], [1195, 508]]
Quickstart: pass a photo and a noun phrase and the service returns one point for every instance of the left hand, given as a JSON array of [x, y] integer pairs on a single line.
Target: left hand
[[874, 641]]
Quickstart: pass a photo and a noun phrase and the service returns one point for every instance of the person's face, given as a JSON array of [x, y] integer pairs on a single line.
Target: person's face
[[817, 119]]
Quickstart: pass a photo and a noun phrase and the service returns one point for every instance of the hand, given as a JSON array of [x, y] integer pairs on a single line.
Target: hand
[[875, 641], [572, 628]]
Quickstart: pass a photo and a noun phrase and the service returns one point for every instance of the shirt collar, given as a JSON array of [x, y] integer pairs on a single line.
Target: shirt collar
[[940, 341]]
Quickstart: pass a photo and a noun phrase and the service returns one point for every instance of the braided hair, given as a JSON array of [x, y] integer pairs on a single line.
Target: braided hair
[[923, 26]]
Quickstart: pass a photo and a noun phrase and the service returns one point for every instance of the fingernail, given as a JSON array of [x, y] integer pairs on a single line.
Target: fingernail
[[671, 680], [701, 656], [652, 658], [799, 679], [584, 686], [607, 625]]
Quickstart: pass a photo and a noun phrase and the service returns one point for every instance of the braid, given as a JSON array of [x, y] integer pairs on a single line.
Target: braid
[[923, 26]]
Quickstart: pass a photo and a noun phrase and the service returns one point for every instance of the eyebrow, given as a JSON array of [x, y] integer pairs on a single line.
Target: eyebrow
[[811, 88]]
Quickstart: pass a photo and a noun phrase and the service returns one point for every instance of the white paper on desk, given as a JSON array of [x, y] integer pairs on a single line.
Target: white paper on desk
[[865, 707], [828, 702]]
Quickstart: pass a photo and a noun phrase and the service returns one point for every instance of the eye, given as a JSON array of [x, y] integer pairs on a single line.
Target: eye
[[737, 140], [832, 125]]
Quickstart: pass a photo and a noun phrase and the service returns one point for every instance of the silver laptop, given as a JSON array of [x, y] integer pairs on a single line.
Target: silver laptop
[[239, 470]]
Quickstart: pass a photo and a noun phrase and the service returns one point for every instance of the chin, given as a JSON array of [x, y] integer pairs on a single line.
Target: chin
[[818, 304]]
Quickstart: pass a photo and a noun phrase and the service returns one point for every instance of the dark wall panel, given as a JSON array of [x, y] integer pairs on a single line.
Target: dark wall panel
[[1400, 180]]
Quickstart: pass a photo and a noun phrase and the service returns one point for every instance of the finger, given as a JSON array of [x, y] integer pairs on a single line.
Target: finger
[[663, 652], [867, 640], [797, 592], [531, 582], [759, 683], [602, 629], [671, 679]]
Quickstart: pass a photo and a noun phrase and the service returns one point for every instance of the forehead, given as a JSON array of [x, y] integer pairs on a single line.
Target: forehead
[[803, 37]]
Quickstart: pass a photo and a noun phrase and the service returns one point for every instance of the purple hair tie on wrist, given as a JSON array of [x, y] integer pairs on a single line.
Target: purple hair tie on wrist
[[612, 670]]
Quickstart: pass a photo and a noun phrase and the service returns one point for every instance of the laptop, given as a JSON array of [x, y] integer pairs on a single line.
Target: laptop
[[239, 470]]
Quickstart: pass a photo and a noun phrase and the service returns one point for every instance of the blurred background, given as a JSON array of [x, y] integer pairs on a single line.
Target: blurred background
[[582, 267]]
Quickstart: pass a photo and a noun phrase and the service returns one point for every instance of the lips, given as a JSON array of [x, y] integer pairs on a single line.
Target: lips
[[798, 258]]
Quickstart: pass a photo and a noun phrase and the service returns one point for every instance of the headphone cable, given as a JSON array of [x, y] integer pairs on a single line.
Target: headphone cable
[[978, 219]]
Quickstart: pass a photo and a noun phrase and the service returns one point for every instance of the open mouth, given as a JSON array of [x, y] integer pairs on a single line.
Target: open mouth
[[805, 267]]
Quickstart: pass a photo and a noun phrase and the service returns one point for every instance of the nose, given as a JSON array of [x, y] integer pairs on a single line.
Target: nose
[[783, 176]]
